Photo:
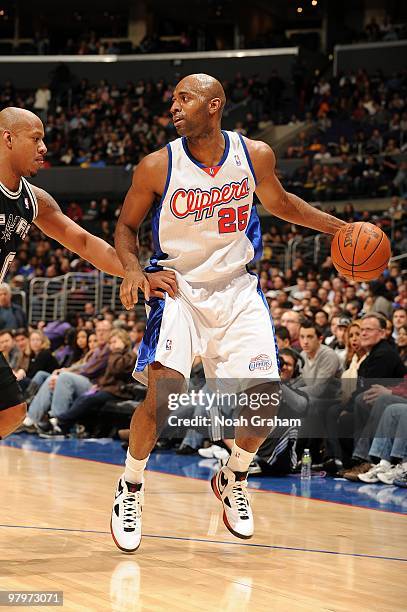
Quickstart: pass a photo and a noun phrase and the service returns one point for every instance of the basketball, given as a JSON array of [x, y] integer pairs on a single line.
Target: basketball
[[360, 251]]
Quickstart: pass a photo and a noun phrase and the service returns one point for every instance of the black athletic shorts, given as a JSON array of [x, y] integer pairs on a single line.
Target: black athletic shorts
[[10, 392]]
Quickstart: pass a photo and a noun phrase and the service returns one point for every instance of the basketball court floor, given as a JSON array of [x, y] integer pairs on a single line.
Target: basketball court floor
[[331, 545]]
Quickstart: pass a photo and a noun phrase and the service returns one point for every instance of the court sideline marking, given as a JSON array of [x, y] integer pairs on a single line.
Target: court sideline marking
[[204, 541]]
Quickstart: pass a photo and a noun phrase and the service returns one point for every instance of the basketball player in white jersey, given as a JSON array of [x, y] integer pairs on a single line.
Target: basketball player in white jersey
[[205, 228], [22, 152]]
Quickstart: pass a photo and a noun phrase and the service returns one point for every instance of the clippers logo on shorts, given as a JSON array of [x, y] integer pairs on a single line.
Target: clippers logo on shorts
[[168, 345], [261, 362], [202, 204]]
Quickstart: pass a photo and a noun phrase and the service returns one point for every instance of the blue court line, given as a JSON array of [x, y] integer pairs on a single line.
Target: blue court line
[[203, 541]]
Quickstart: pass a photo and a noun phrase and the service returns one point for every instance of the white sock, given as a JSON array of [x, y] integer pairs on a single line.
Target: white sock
[[134, 469], [239, 459], [384, 463]]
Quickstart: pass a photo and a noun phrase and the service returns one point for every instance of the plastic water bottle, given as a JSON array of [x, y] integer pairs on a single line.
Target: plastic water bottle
[[306, 465]]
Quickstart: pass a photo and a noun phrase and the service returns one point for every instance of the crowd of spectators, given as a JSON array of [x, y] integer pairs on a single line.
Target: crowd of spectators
[[383, 30], [346, 342], [352, 147], [361, 132], [98, 125]]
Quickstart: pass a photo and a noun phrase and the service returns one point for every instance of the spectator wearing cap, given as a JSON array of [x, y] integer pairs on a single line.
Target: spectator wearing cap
[[339, 342]]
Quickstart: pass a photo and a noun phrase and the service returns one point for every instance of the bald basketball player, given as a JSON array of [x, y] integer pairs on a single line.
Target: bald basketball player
[[22, 152], [200, 189]]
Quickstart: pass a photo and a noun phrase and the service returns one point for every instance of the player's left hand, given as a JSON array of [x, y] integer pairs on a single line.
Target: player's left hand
[[163, 281]]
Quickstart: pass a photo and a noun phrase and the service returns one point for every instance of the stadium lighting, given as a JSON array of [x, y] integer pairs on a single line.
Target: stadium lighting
[[314, 2], [299, 9]]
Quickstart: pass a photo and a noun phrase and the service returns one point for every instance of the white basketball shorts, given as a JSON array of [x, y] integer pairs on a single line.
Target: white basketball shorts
[[227, 322]]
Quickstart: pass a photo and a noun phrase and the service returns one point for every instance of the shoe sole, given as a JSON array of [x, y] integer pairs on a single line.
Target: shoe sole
[[125, 550], [385, 482], [225, 520]]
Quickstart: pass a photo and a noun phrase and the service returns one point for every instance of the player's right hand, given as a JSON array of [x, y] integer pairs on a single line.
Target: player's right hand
[[162, 281], [132, 282]]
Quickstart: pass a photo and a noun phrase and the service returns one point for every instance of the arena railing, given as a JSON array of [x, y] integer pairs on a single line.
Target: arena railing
[[51, 299]]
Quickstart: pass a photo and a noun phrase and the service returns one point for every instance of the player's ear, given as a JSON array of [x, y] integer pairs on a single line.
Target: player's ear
[[215, 105], [6, 136]]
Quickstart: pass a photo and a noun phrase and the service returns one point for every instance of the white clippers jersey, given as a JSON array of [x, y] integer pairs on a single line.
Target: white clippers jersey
[[205, 226]]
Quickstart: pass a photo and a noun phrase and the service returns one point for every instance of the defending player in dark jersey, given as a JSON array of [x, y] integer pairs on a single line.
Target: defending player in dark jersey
[[22, 152]]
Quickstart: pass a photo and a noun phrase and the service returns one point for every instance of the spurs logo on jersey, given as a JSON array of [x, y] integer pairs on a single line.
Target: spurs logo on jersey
[[205, 225], [18, 210], [14, 224]]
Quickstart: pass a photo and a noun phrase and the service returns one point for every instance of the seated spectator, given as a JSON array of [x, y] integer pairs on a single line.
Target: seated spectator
[[110, 386], [292, 321], [69, 384], [382, 299], [320, 382], [40, 358], [322, 319], [389, 446], [402, 344], [283, 337], [9, 348], [74, 347], [382, 362], [277, 454], [338, 344], [11, 315], [56, 330], [354, 356], [399, 321]]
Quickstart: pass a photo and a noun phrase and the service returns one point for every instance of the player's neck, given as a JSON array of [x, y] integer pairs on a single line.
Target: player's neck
[[207, 148], [9, 178]]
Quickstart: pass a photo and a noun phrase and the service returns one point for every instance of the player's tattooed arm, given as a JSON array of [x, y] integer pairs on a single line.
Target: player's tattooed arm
[[52, 221], [281, 203], [147, 185]]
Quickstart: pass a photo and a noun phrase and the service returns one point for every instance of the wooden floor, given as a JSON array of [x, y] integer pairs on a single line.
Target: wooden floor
[[306, 554]]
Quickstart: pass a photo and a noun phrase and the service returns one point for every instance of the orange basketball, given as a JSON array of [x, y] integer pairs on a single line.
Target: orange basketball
[[360, 251]]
